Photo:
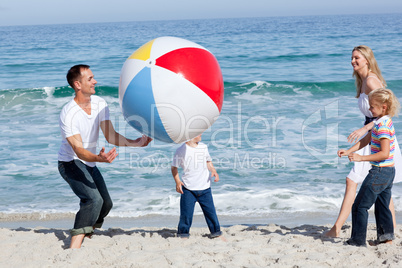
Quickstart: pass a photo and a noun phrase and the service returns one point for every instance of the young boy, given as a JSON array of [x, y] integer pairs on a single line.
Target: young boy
[[376, 187], [193, 157]]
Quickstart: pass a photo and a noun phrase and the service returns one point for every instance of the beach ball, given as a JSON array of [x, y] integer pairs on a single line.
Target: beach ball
[[171, 89]]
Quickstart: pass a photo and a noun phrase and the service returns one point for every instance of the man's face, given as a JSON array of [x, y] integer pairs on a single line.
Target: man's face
[[87, 82]]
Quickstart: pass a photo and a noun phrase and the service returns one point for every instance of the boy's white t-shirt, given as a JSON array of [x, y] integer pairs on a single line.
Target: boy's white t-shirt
[[193, 161], [74, 120]]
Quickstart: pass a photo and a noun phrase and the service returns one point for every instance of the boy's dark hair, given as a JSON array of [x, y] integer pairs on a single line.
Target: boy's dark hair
[[74, 73]]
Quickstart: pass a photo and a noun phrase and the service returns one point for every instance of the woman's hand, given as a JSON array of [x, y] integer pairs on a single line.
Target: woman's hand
[[357, 134]]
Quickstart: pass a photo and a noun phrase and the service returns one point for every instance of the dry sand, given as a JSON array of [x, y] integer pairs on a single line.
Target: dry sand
[[245, 246]]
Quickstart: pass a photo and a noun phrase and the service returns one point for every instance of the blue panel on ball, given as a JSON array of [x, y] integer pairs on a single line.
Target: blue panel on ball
[[139, 107]]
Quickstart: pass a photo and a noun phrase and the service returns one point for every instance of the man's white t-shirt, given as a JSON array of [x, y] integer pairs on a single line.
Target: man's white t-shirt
[[193, 161], [74, 120]]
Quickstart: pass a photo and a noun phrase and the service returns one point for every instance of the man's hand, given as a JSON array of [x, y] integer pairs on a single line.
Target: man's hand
[[107, 157], [143, 141]]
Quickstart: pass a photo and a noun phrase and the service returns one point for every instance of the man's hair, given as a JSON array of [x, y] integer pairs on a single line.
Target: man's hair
[[74, 73]]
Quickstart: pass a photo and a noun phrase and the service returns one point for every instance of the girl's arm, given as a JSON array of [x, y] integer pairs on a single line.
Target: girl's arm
[[379, 156]]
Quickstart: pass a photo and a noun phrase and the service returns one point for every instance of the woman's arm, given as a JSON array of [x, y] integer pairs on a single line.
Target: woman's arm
[[357, 134], [360, 144]]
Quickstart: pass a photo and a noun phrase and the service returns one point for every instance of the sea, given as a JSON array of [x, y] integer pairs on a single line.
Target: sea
[[289, 105]]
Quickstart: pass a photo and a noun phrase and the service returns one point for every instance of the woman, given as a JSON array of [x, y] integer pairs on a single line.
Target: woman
[[368, 77]]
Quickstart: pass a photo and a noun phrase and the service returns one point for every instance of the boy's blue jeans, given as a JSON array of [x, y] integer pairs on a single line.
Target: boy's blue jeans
[[187, 203], [88, 184], [375, 189]]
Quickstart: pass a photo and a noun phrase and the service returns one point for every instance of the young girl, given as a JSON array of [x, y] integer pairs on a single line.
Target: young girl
[[376, 187]]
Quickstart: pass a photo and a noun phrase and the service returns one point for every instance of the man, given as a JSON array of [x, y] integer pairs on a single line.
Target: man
[[80, 120]]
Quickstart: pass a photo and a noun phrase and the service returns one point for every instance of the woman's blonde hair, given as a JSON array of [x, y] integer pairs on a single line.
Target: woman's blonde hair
[[368, 54], [386, 96]]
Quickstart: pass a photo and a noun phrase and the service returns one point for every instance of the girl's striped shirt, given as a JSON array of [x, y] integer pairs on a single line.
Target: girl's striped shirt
[[383, 129]]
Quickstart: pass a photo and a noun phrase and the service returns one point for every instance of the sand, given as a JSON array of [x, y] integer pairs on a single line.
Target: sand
[[262, 245]]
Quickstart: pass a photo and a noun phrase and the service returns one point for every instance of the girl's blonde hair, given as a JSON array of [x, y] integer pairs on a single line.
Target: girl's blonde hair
[[386, 96], [368, 54]]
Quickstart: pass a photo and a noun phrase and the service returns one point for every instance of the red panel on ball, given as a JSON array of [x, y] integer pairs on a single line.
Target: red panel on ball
[[199, 67]]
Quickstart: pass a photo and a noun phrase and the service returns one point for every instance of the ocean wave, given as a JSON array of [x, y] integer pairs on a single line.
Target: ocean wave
[[256, 202], [257, 87]]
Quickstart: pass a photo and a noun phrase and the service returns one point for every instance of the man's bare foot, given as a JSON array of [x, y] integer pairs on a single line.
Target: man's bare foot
[[89, 235], [76, 241], [332, 233]]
